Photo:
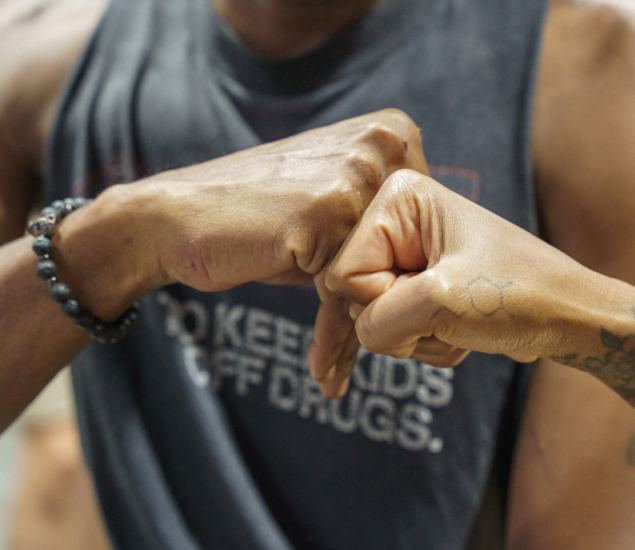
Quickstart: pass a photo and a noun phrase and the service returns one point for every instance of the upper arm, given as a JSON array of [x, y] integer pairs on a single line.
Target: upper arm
[[573, 481], [40, 40], [584, 137]]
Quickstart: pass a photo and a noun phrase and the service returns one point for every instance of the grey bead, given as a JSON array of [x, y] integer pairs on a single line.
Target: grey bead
[[46, 269], [71, 308], [58, 206], [49, 210], [69, 205], [60, 292], [42, 245]]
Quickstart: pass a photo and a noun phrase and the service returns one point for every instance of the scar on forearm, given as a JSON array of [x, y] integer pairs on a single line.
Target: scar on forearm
[[486, 298]]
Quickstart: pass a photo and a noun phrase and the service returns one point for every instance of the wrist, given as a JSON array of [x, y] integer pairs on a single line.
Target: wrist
[[594, 306], [107, 251]]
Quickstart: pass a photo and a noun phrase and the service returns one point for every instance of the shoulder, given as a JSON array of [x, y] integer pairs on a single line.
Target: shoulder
[[583, 134], [40, 41], [586, 48], [583, 40]]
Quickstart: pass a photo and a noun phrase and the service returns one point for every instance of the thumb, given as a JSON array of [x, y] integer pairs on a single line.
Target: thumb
[[393, 323]]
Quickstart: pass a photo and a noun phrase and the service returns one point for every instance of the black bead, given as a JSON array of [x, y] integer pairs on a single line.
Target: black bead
[[43, 229], [46, 269], [85, 319], [60, 292], [112, 333], [42, 245], [71, 308], [98, 329]]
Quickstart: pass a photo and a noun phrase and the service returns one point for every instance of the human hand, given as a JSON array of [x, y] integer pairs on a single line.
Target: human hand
[[431, 275], [277, 213]]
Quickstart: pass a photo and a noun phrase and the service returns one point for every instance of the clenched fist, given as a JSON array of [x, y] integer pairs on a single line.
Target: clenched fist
[[431, 275]]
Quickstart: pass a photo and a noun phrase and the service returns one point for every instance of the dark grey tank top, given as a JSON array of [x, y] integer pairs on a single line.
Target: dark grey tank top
[[203, 428]]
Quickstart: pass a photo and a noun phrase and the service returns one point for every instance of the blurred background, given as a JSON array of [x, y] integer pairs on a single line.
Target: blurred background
[[7, 458], [47, 499]]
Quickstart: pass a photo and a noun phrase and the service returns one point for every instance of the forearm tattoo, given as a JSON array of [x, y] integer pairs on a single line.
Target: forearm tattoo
[[616, 367], [486, 298]]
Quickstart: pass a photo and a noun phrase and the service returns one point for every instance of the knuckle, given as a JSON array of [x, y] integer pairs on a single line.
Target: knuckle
[[299, 243], [405, 127], [365, 170], [405, 183], [344, 204], [399, 118], [334, 279], [367, 338], [389, 141]]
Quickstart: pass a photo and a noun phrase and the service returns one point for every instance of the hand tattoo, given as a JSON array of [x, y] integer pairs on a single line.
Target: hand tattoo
[[486, 298]]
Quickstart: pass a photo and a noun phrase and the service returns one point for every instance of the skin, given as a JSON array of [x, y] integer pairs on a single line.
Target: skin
[[56, 507], [581, 140], [426, 273], [573, 482]]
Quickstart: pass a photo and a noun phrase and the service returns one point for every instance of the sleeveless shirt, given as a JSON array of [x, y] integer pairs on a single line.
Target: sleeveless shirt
[[203, 429]]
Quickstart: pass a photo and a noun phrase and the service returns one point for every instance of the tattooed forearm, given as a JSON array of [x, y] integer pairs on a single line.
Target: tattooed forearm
[[616, 367], [486, 297]]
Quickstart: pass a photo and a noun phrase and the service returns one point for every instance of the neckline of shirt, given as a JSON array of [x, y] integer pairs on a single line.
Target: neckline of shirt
[[357, 46]]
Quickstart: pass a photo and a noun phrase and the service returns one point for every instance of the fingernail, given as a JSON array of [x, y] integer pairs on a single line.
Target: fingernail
[[331, 373], [341, 391], [354, 311]]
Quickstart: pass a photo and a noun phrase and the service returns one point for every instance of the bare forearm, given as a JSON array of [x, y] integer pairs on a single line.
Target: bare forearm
[[36, 339], [107, 253], [277, 212]]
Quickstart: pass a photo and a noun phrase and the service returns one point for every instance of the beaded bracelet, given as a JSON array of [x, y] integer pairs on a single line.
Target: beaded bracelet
[[43, 229]]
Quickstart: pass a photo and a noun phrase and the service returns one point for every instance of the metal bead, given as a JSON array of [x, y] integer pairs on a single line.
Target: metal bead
[[46, 269], [60, 292], [42, 245], [44, 225]]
